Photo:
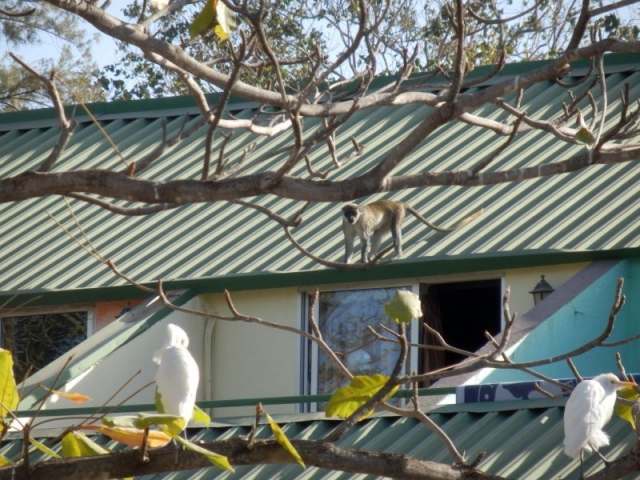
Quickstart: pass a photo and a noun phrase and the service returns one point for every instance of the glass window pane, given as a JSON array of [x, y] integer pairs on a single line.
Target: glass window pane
[[343, 320], [37, 340]]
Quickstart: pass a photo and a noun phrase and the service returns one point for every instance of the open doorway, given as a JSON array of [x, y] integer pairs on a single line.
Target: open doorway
[[461, 312]]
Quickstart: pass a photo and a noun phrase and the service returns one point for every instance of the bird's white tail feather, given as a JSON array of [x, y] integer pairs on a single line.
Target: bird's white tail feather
[[598, 440]]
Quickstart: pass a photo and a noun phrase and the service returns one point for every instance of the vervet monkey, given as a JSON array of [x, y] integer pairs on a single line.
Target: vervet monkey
[[372, 221]]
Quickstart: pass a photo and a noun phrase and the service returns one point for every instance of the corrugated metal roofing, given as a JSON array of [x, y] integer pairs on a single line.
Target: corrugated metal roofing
[[591, 210], [522, 440]]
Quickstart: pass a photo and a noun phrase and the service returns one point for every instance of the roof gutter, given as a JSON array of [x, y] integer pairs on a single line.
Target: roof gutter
[[398, 269]]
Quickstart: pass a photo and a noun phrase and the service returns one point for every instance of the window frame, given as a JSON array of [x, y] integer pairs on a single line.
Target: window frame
[[308, 377], [308, 351], [48, 310]]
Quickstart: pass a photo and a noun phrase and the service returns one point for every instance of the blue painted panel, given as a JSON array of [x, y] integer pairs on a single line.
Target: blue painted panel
[[580, 321]]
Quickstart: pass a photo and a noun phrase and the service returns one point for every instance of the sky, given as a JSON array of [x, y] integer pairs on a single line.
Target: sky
[[104, 51]]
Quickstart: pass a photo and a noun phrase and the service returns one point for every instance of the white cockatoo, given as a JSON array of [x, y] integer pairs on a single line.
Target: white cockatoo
[[588, 410], [178, 375]]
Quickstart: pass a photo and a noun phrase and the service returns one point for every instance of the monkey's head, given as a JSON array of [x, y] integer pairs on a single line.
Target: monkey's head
[[351, 213]]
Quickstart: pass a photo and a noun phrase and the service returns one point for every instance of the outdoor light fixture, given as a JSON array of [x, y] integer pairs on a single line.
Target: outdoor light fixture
[[541, 291]]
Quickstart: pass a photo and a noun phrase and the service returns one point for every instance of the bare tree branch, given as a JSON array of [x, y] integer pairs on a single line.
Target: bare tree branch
[[66, 126], [314, 453]]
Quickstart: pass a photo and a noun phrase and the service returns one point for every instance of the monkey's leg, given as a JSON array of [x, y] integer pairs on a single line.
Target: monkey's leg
[[364, 251], [376, 240], [396, 234], [349, 239]]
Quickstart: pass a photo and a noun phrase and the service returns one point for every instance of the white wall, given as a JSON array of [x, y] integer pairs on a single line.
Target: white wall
[[251, 360], [523, 280], [105, 378], [240, 360]]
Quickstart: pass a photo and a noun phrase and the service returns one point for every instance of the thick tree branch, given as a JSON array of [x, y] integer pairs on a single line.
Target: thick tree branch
[[135, 35], [180, 192], [314, 453]]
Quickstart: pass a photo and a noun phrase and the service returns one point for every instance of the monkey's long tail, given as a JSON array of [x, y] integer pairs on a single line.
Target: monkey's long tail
[[461, 223]]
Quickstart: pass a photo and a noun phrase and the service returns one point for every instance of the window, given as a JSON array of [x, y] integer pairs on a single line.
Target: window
[[343, 318], [460, 311], [35, 340]]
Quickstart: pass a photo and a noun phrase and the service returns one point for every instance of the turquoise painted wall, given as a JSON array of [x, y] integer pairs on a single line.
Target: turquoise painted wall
[[579, 322]]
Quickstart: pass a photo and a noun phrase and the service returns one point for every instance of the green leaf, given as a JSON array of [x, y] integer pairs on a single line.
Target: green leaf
[[584, 136], [170, 424], [77, 444], [624, 411], [226, 20], [132, 436], [200, 416], [404, 306], [283, 441], [219, 461], [158, 402], [347, 400], [71, 446], [9, 398], [203, 21], [43, 448], [127, 421], [215, 15]]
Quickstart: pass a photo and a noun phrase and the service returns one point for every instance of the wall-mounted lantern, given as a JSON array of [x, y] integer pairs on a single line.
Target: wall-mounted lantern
[[541, 291]]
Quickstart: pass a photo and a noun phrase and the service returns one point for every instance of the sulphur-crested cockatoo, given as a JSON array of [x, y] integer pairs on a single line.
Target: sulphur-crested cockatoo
[[178, 375], [588, 410]]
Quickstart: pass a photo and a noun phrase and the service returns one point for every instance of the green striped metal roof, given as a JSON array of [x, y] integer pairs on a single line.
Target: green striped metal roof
[[522, 440], [571, 217]]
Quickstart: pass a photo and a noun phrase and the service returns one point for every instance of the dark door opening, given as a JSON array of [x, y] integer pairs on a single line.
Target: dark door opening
[[461, 312]]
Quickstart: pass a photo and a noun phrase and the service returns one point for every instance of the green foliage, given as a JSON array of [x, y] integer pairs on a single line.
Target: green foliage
[[404, 306], [214, 16], [9, 398], [282, 439], [584, 136], [219, 461], [623, 410], [131, 436], [346, 400], [74, 63], [125, 421], [158, 402], [133, 77], [200, 416], [43, 448], [170, 424], [203, 21], [77, 444]]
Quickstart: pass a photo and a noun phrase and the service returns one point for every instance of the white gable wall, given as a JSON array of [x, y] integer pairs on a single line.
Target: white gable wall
[[240, 360], [251, 360], [102, 380]]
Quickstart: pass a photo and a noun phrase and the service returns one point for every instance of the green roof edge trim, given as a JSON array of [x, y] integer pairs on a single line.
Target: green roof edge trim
[[128, 332], [397, 269], [181, 102]]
